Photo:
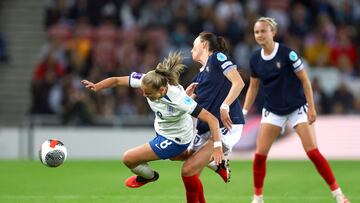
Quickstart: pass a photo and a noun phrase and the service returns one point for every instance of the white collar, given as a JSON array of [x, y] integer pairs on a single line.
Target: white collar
[[272, 55]]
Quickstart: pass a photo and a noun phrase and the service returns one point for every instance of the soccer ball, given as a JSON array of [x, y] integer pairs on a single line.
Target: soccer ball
[[52, 153]]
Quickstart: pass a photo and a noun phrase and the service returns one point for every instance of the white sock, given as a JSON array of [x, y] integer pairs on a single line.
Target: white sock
[[258, 197], [336, 192], [212, 165], [143, 170]]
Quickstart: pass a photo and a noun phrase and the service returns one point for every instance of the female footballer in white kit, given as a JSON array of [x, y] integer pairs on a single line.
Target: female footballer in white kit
[[173, 124]]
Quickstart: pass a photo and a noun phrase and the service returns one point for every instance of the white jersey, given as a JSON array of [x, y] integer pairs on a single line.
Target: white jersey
[[172, 112]]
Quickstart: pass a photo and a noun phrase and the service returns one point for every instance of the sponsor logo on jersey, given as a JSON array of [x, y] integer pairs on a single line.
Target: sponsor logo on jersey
[[158, 113], [293, 56], [187, 100], [224, 131], [221, 57]]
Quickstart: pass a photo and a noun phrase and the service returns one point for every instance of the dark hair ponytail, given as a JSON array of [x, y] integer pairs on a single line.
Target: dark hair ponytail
[[223, 47], [216, 43]]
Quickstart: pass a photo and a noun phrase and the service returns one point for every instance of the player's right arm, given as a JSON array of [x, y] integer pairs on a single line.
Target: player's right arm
[[106, 83], [251, 93]]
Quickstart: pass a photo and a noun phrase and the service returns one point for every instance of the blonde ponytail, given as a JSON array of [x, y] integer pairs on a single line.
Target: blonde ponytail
[[167, 71]]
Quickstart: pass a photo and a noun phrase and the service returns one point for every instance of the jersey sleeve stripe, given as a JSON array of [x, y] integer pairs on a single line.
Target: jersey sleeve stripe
[[226, 64], [297, 63], [299, 68], [229, 68], [196, 111]]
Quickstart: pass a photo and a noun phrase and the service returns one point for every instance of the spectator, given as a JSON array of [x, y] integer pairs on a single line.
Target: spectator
[[130, 14], [50, 65], [156, 14], [317, 52], [344, 49], [299, 24], [343, 100], [180, 36], [77, 106], [321, 100], [3, 53], [41, 88], [79, 49], [100, 38], [244, 49]]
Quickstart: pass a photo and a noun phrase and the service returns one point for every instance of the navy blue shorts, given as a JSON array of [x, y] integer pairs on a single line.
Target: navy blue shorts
[[165, 148]]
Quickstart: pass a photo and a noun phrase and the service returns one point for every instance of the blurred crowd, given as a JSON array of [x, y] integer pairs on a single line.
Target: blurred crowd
[[95, 39], [3, 52]]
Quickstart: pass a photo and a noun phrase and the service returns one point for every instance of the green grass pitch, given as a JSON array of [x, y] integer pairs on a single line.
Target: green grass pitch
[[103, 182]]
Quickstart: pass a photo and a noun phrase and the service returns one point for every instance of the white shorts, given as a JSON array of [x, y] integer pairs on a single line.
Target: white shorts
[[228, 138], [296, 117]]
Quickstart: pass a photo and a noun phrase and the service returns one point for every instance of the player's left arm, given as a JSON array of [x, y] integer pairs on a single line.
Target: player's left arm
[[237, 84], [301, 74]]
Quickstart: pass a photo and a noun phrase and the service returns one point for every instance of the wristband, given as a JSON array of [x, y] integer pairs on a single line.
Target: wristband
[[244, 111], [217, 144], [225, 106]]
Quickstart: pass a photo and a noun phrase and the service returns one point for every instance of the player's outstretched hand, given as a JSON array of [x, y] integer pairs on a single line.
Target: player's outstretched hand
[[217, 155], [89, 85], [191, 88], [225, 119]]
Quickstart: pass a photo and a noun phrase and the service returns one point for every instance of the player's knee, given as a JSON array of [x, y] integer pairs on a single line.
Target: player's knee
[[188, 169], [128, 159]]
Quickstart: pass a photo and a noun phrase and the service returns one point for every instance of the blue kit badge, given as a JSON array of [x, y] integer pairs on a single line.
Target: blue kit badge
[[293, 56], [221, 57]]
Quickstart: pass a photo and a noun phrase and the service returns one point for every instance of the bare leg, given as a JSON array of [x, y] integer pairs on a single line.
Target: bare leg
[[267, 135], [136, 159]]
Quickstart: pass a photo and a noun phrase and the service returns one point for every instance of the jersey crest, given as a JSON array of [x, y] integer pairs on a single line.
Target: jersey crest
[[278, 64], [187, 100], [221, 57], [293, 56], [171, 109]]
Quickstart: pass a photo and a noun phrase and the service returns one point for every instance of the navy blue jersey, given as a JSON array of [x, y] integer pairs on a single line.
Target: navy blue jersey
[[282, 88], [213, 88]]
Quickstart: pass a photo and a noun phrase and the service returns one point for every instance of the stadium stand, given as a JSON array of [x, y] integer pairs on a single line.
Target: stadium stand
[[94, 39], [20, 23]]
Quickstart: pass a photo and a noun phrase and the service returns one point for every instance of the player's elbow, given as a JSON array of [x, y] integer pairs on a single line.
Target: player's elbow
[[238, 84]]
